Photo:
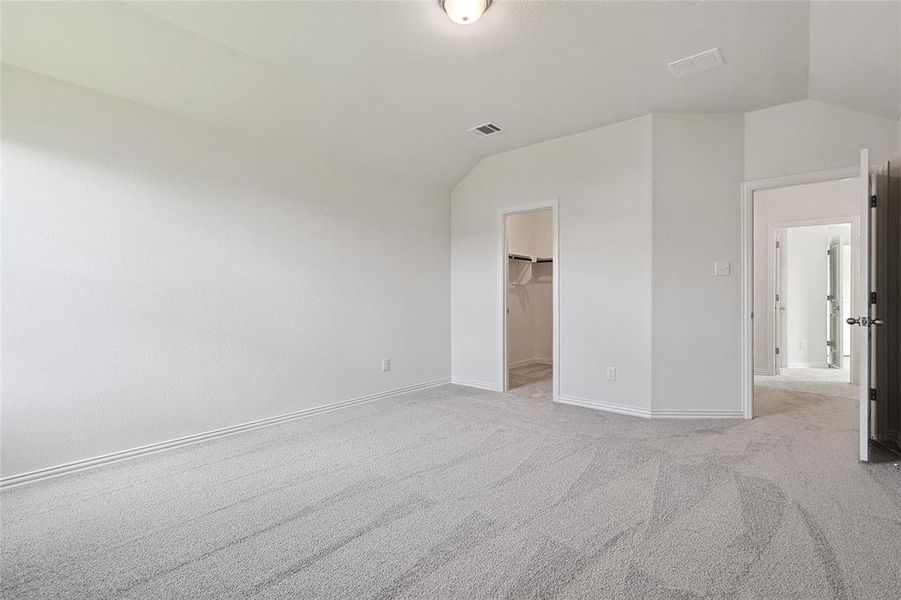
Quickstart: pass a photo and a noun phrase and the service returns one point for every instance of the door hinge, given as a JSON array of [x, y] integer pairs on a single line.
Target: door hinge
[[777, 243], [874, 201], [872, 393], [777, 297], [873, 297], [777, 350]]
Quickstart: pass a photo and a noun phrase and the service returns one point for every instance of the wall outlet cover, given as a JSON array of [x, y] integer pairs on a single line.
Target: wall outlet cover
[[386, 365], [722, 268], [611, 373]]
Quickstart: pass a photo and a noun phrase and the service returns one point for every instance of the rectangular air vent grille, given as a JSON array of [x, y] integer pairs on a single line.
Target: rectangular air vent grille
[[485, 129], [697, 63]]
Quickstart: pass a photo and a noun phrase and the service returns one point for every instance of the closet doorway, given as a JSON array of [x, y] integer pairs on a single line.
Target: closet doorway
[[530, 292]]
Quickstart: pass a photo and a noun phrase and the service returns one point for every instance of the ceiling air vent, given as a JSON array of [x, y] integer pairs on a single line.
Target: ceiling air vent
[[485, 129], [697, 63]]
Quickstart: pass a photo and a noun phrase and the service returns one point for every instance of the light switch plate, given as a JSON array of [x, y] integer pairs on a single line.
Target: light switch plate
[[722, 268]]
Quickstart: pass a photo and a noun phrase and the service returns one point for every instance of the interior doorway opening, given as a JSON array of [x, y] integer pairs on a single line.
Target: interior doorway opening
[[806, 284], [875, 301], [529, 257], [812, 300]]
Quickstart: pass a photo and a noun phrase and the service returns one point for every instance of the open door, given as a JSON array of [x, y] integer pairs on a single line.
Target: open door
[[885, 324], [880, 281], [834, 295], [863, 356], [779, 306]]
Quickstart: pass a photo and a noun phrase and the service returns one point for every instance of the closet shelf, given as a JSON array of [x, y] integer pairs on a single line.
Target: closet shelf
[[533, 259]]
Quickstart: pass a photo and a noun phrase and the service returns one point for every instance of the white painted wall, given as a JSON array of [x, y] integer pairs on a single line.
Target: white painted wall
[[806, 289], [694, 213], [807, 136], [206, 280], [831, 200], [602, 179], [162, 279], [697, 171], [615, 211], [530, 288]]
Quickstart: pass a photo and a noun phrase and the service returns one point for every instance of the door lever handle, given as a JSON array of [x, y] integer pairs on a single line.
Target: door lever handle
[[864, 321]]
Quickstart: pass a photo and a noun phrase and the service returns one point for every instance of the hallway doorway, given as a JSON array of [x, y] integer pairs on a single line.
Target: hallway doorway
[[806, 282], [811, 299]]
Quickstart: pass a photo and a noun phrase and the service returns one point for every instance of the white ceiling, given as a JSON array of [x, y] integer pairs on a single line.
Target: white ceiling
[[392, 86]]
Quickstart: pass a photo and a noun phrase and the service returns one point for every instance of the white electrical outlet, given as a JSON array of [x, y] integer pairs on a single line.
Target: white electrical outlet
[[611, 373], [386, 365], [722, 268], [802, 344]]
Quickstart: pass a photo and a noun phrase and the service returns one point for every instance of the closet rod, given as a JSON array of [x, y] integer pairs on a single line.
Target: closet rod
[[535, 259]]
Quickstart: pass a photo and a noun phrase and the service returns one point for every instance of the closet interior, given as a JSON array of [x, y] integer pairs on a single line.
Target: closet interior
[[529, 323]]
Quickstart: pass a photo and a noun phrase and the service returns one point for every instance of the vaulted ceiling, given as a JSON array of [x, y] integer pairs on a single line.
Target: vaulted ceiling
[[393, 86]]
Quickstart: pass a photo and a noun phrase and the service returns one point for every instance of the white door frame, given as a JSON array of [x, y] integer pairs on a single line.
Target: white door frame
[[854, 222], [747, 265], [553, 205]]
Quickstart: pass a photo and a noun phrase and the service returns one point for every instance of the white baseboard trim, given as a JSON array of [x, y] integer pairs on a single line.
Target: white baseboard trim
[[807, 365], [633, 411], [697, 414], [97, 461], [475, 384], [536, 360], [620, 409]]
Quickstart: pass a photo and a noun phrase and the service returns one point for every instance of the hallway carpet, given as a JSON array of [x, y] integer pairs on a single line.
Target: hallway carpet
[[459, 493], [521, 375]]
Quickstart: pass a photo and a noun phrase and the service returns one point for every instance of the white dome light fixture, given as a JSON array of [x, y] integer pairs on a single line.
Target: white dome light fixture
[[464, 12]]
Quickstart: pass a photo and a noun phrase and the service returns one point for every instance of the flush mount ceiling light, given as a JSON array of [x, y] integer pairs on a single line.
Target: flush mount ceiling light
[[464, 12]]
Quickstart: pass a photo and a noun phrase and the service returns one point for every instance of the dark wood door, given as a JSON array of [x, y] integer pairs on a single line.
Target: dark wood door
[[885, 329]]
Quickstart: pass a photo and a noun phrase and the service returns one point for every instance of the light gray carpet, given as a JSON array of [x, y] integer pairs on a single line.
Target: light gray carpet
[[458, 493], [814, 375]]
